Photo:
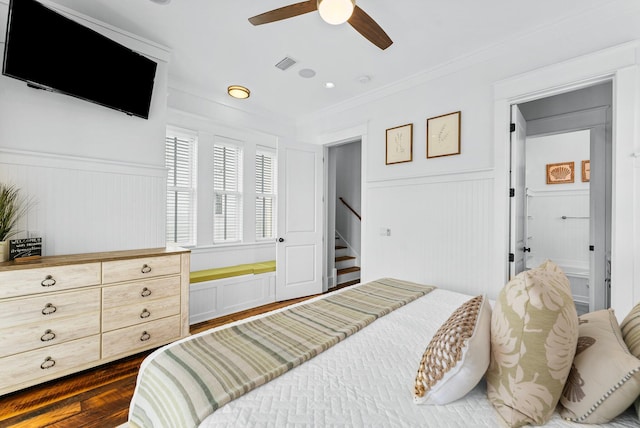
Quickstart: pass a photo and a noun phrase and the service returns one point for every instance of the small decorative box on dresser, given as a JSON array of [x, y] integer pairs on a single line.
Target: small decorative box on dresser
[[63, 314]]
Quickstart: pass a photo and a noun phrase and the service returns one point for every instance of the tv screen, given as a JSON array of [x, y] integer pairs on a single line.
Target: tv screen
[[50, 51]]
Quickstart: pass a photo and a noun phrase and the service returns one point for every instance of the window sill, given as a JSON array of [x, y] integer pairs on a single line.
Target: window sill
[[206, 248]]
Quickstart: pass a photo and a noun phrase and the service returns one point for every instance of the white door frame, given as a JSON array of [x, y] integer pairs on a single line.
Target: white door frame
[[346, 135], [517, 202], [620, 65]]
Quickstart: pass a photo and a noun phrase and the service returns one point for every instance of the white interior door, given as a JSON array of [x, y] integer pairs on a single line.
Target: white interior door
[[517, 237], [299, 246]]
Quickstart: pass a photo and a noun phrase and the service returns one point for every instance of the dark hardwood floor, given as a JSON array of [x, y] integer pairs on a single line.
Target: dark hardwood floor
[[98, 397]]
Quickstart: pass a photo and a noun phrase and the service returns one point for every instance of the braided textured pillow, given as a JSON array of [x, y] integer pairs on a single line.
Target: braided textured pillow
[[457, 356]]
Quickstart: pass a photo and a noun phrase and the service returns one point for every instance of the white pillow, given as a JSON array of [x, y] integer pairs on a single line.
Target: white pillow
[[457, 356]]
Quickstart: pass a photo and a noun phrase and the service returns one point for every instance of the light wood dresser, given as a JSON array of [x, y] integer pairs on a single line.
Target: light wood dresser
[[63, 314]]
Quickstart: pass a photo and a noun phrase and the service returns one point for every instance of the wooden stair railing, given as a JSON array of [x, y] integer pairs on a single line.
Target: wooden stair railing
[[350, 209]]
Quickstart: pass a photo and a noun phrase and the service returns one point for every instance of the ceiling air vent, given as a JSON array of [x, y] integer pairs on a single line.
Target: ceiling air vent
[[285, 63]]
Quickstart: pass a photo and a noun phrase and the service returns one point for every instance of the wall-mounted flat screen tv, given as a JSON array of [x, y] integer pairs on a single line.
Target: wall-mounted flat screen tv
[[50, 51]]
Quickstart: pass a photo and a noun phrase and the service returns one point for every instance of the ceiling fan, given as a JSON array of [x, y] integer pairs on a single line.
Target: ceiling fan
[[334, 12]]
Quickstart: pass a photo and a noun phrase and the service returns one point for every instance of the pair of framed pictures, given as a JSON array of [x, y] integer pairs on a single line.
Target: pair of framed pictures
[[563, 172], [443, 139]]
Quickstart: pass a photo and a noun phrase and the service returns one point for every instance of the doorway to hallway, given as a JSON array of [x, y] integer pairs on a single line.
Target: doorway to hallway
[[561, 173]]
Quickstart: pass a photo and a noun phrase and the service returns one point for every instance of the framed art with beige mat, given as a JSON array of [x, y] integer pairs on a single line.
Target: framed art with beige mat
[[399, 144], [443, 135]]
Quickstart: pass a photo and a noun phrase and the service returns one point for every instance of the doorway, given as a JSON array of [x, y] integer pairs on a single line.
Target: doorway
[[344, 213], [562, 179]]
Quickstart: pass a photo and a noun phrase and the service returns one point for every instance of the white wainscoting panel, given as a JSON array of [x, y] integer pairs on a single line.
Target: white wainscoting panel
[[635, 297], [85, 205], [440, 231], [213, 299], [558, 229]]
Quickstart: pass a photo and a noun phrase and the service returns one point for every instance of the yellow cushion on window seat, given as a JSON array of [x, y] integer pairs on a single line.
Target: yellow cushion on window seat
[[230, 271]]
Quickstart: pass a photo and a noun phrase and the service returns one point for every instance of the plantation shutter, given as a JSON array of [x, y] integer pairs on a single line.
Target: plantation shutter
[[180, 163], [265, 193], [227, 186]]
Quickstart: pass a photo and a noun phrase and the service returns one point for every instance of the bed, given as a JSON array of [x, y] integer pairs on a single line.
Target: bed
[[363, 380]]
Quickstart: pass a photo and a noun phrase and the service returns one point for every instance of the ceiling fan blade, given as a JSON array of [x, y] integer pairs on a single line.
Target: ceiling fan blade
[[366, 26], [285, 12]]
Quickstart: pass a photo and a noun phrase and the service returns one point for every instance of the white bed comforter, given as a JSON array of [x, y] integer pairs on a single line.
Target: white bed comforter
[[367, 381]]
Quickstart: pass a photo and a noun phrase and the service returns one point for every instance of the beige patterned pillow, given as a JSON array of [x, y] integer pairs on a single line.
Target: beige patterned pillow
[[534, 331], [457, 356], [631, 334], [605, 377]]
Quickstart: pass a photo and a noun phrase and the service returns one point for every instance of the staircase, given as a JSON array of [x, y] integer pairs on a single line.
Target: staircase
[[348, 272]]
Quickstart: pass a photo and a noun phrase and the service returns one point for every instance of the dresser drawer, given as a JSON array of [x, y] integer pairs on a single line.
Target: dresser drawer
[[22, 282], [45, 334], [48, 307], [139, 268], [143, 336], [125, 316], [46, 363], [140, 291]]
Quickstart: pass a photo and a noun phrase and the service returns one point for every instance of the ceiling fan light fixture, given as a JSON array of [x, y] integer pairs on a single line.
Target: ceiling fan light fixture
[[336, 12], [237, 91]]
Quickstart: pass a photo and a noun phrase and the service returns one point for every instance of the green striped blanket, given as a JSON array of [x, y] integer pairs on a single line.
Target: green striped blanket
[[189, 380]]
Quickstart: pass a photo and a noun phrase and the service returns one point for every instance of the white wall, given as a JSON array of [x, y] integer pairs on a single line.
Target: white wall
[[448, 224], [565, 241], [348, 187], [97, 175]]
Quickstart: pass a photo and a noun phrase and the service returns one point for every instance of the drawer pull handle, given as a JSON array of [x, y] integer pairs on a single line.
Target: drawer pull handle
[[49, 309], [47, 336], [145, 268], [145, 336], [48, 363], [48, 281], [145, 292], [145, 313]]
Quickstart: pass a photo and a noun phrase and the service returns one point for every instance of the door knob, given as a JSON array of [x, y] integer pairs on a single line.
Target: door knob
[[526, 249], [280, 239]]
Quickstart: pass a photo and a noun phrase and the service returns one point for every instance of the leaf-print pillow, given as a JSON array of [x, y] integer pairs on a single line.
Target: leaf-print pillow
[[605, 377], [534, 331]]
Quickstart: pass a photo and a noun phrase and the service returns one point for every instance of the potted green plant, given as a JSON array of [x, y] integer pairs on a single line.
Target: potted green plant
[[12, 207]]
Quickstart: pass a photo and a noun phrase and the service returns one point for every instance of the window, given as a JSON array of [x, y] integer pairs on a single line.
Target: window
[[265, 193], [227, 187], [181, 187], [220, 190]]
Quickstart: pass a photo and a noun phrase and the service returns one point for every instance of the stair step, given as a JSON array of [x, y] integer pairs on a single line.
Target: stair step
[[348, 270], [344, 258], [340, 247]]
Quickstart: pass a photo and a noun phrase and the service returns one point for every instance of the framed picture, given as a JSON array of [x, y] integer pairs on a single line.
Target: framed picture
[[558, 173], [400, 144], [586, 170], [443, 135]]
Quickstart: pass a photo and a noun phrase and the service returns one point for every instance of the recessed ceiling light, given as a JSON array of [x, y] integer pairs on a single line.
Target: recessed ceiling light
[[364, 79], [163, 2], [237, 91], [329, 85], [307, 73]]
